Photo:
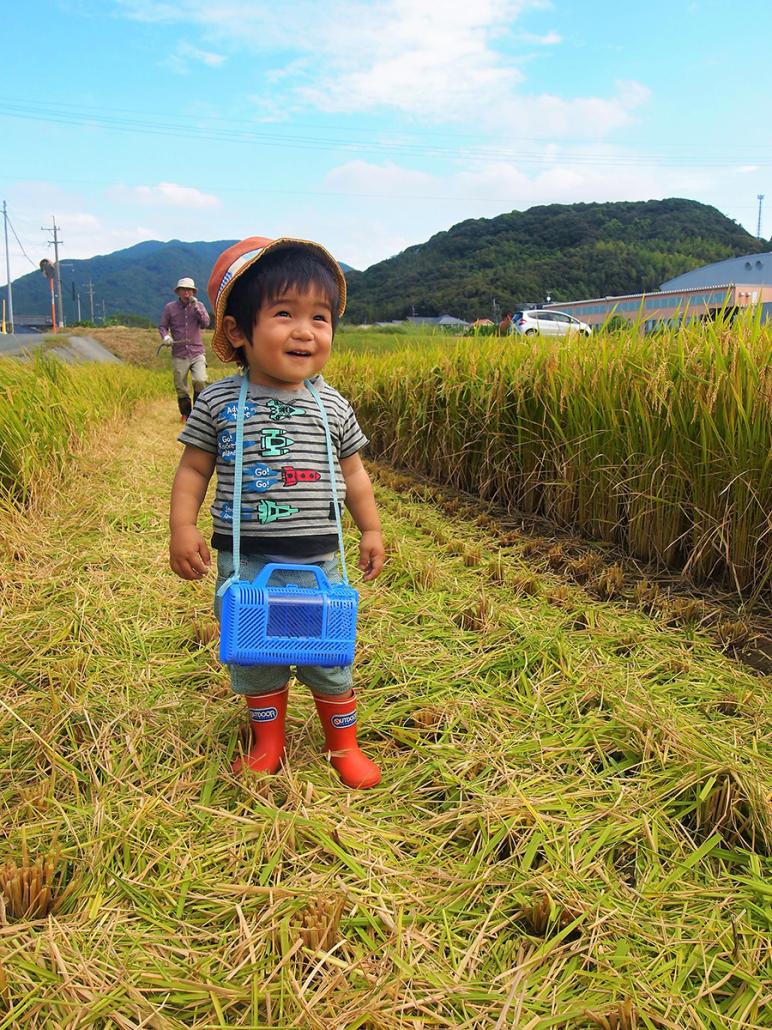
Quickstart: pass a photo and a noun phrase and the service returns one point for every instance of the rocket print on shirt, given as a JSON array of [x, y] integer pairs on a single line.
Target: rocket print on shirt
[[278, 411], [260, 477], [274, 443]]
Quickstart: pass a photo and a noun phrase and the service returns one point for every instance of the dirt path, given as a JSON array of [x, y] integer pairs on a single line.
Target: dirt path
[[67, 348]]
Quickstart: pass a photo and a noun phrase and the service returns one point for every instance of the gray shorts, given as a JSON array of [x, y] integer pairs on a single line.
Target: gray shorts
[[265, 679], [197, 368]]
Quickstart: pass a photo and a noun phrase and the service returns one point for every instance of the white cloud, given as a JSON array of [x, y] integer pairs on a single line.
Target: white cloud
[[548, 39], [582, 175], [168, 194], [747, 169], [185, 55], [455, 62], [388, 179], [388, 207]]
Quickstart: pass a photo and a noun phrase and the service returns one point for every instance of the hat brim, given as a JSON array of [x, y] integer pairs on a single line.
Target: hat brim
[[221, 345]]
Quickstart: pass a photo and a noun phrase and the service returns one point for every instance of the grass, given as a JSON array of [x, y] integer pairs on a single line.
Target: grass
[[659, 445], [49, 408], [573, 829]]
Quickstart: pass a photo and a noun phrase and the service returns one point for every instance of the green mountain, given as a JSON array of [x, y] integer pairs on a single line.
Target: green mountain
[[137, 281], [569, 251]]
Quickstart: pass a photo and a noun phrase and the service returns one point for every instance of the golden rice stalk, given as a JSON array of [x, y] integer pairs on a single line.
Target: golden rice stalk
[[33, 889], [319, 927], [622, 1017], [733, 633], [581, 569], [205, 631], [609, 583], [544, 916]]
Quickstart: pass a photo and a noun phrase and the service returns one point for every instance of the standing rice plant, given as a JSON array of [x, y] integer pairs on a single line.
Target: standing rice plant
[[48, 407], [659, 444]]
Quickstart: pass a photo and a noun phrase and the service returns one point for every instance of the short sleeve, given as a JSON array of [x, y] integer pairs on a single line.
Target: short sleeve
[[352, 439]]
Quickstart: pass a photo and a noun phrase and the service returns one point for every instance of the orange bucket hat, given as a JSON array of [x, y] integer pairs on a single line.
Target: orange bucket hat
[[234, 261]]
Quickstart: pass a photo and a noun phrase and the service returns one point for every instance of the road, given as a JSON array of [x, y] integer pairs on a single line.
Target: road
[[71, 349]]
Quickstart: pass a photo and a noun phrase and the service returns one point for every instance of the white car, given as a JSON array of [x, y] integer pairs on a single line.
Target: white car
[[548, 323]]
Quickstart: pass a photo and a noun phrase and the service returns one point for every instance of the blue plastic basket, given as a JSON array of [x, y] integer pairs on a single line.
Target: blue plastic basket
[[262, 624]]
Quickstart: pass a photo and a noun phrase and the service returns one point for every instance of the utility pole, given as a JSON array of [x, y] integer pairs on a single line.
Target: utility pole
[[8, 272], [104, 313], [56, 241], [76, 297], [760, 198], [90, 288]]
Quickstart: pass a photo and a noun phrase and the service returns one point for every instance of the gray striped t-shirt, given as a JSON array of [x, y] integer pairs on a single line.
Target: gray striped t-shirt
[[286, 504]]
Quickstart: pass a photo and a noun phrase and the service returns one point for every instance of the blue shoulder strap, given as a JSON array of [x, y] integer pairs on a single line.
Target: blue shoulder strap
[[237, 477], [333, 480]]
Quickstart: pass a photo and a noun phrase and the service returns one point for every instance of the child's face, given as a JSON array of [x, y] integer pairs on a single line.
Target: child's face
[[291, 339]]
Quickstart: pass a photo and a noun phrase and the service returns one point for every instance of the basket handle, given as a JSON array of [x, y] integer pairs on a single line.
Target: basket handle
[[268, 570]]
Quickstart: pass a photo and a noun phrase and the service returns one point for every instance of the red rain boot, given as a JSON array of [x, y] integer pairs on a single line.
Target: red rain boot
[[339, 722], [266, 719]]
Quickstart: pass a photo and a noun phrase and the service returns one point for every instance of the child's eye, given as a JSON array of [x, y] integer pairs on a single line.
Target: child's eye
[[283, 313], [320, 318]]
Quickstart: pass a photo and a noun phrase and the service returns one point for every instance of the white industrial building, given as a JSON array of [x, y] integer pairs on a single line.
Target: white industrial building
[[733, 284]]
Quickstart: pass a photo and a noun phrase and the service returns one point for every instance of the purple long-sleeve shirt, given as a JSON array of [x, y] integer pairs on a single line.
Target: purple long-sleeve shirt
[[184, 322]]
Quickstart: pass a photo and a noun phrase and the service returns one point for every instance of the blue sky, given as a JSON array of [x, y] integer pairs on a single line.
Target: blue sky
[[369, 125]]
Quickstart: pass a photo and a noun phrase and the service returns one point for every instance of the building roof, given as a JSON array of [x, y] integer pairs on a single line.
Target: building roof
[[633, 296], [753, 269]]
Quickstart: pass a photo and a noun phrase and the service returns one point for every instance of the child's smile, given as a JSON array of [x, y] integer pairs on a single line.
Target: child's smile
[[291, 339]]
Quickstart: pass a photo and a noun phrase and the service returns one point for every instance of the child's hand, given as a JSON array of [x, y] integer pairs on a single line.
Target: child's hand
[[372, 554], [188, 554]]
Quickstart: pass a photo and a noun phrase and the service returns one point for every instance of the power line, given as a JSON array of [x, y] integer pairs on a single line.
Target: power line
[[234, 132], [91, 114], [24, 252], [260, 191]]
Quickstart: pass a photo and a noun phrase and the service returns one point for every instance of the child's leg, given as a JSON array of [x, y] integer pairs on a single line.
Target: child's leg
[[336, 706], [267, 713], [263, 687], [333, 691], [338, 716]]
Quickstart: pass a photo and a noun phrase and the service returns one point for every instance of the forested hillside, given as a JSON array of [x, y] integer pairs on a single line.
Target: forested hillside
[[136, 281], [564, 250]]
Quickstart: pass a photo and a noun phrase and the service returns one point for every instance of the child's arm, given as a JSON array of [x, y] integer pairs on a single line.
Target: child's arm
[[188, 554], [360, 501]]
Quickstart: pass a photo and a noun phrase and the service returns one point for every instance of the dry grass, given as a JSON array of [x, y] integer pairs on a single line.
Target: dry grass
[[140, 347], [573, 828]]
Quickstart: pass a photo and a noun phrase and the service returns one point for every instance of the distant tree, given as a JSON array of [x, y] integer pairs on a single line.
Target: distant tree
[[571, 250]]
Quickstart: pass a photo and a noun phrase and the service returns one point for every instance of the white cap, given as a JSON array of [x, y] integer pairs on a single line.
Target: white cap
[[185, 284]]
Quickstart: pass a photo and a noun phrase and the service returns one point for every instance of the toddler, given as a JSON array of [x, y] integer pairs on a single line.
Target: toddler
[[276, 305]]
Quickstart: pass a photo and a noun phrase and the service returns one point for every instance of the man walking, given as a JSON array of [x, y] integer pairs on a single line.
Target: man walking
[[181, 324]]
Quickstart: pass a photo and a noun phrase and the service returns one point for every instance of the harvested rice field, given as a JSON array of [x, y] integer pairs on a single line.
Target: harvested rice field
[[573, 830]]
